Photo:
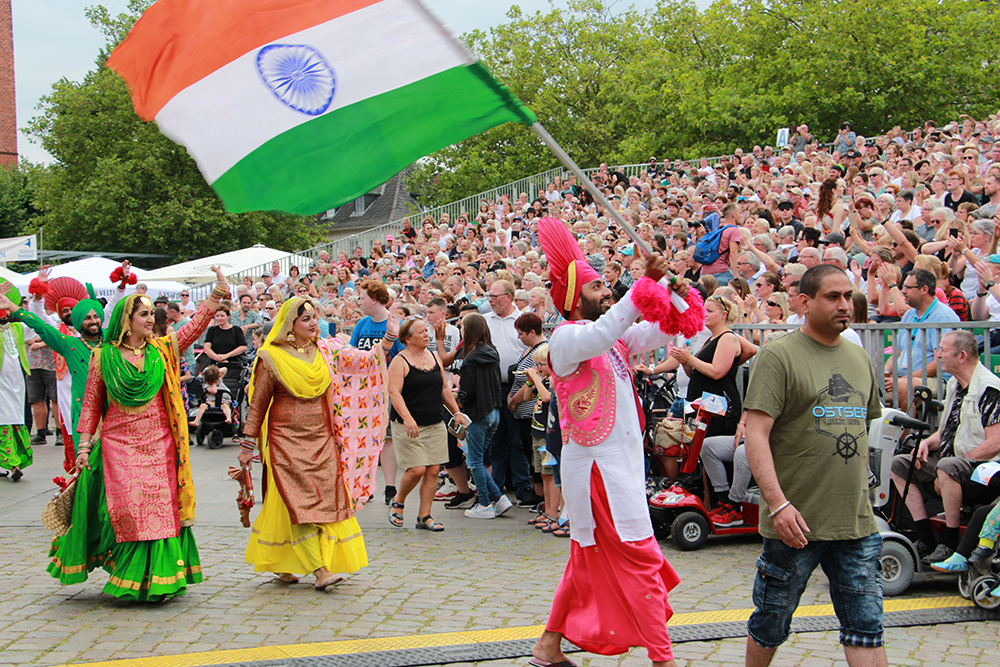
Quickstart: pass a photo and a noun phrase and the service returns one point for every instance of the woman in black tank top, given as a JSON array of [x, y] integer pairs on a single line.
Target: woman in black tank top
[[418, 392], [714, 370]]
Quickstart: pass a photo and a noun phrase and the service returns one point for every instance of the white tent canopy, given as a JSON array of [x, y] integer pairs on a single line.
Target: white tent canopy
[[10, 276], [97, 272], [256, 258]]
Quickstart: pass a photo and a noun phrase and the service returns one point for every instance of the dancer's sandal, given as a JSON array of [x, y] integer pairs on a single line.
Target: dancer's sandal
[[428, 523], [396, 518], [286, 578], [538, 662], [332, 580]]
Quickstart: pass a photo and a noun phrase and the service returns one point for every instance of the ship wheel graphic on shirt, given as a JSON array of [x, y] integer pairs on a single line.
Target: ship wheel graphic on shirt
[[847, 446], [299, 76]]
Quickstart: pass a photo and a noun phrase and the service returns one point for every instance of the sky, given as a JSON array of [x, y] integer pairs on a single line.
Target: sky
[[53, 39]]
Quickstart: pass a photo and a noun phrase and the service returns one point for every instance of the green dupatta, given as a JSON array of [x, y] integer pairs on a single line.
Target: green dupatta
[[127, 385]]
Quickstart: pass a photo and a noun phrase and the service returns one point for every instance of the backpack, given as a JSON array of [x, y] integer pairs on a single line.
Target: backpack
[[707, 249]]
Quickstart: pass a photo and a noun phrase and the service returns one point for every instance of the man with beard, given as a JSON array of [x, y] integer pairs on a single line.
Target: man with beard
[[613, 594], [85, 317]]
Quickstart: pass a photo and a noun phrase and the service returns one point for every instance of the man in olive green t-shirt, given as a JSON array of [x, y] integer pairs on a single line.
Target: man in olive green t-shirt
[[808, 404]]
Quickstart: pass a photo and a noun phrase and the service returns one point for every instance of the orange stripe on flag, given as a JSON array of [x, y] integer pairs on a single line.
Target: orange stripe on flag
[[178, 42]]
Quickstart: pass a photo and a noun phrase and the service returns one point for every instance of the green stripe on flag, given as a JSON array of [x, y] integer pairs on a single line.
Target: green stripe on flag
[[343, 154]]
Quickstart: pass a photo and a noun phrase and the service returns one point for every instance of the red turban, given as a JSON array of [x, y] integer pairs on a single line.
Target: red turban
[[65, 302], [568, 269]]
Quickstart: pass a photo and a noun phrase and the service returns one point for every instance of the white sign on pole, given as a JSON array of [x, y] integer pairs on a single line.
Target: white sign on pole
[[19, 249], [782, 140]]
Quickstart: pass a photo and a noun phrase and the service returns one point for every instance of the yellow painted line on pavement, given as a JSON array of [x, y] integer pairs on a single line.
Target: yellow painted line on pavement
[[353, 646]]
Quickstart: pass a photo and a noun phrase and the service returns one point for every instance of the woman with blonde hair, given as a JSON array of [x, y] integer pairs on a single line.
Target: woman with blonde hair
[[419, 391], [982, 242], [713, 369]]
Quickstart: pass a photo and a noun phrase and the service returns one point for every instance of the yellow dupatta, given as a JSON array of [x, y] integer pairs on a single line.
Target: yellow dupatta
[[302, 378], [177, 416]]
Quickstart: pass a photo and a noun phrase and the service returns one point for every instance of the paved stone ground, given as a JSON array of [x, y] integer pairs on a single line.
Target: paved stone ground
[[477, 575]]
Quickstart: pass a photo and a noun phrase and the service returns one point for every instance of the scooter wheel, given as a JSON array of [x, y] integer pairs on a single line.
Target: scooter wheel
[[897, 568], [982, 592], [689, 531]]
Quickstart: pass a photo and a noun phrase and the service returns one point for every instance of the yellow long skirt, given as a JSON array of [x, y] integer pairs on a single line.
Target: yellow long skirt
[[278, 545]]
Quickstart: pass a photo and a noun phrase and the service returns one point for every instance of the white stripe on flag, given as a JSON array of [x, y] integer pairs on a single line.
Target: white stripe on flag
[[231, 112]]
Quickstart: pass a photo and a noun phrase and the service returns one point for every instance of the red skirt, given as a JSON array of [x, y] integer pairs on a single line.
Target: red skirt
[[614, 595]]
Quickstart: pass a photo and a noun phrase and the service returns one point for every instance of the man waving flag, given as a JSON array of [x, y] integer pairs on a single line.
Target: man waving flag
[[304, 105]]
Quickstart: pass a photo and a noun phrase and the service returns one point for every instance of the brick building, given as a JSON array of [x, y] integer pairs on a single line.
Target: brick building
[[8, 114]]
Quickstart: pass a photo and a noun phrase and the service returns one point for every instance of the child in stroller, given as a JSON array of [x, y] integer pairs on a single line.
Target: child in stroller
[[214, 415]]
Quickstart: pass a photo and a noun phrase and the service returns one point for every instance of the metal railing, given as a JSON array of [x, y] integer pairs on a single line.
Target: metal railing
[[903, 345], [531, 185]]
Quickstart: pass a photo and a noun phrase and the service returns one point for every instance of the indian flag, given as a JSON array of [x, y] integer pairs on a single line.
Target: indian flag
[[304, 105]]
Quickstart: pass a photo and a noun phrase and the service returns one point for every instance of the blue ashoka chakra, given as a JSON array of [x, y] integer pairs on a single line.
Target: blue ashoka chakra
[[298, 75]]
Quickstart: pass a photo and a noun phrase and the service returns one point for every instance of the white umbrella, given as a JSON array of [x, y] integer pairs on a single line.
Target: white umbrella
[[97, 272], [250, 261]]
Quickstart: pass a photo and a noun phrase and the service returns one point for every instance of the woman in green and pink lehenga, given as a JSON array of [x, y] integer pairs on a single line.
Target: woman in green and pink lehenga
[[135, 501]]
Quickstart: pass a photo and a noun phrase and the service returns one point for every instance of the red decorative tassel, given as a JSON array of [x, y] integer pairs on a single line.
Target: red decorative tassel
[[37, 287], [116, 277], [653, 301], [61, 483]]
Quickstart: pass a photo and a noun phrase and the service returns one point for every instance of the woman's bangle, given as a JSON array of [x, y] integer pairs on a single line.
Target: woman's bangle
[[780, 507], [219, 292]]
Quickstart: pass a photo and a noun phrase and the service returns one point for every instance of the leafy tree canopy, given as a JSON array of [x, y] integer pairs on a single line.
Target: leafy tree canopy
[[118, 185], [679, 82]]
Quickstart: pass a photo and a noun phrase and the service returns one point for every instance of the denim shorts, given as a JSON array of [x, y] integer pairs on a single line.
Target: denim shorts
[[852, 566]]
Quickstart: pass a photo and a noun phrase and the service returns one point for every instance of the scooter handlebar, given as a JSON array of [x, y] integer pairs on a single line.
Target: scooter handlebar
[[909, 422]]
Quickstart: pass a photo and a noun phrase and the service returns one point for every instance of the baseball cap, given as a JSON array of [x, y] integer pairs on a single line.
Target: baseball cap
[[390, 237], [833, 237], [993, 259]]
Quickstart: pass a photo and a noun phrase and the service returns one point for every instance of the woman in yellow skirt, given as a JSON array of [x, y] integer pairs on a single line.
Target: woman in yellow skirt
[[306, 523]]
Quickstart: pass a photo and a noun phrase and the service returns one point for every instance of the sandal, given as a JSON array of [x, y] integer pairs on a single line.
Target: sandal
[[552, 525], [540, 520], [286, 578], [562, 530], [332, 580], [395, 518], [428, 523]]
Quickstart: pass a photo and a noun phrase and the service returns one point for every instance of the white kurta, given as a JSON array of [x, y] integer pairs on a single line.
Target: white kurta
[[619, 458], [11, 389]]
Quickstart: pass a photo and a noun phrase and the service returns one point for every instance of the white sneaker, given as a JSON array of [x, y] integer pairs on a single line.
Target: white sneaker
[[502, 505], [480, 512], [446, 492]]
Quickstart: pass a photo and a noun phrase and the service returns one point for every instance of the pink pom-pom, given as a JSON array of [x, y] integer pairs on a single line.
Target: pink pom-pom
[[38, 287], [653, 301]]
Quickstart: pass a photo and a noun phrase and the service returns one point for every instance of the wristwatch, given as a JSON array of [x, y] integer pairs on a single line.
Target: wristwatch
[[986, 291]]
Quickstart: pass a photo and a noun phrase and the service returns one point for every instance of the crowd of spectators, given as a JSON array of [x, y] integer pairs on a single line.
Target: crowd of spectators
[[910, 217]]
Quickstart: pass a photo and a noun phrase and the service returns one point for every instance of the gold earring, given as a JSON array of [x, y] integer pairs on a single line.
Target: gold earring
[[128, 332], [290, 337]]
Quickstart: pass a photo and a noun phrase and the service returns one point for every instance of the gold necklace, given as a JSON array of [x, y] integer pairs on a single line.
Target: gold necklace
[[135, 350], [301, 350]]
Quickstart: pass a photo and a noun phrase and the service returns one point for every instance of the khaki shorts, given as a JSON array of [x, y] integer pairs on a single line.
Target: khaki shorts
[[537, 457]]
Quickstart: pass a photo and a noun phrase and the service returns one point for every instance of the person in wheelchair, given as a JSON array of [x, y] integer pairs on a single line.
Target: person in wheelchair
[[968, 436], [214, 395]]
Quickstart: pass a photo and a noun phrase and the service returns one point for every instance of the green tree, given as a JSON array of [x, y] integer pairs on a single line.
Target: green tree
[[16, 210], [680, 82], [117, 184]]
